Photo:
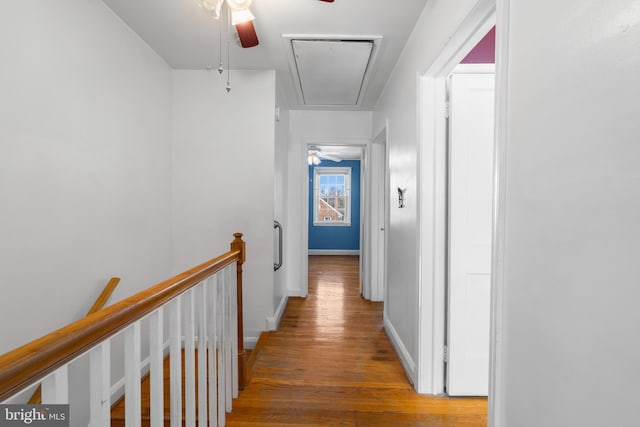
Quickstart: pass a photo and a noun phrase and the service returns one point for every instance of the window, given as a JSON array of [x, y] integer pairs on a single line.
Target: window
[[332, 196]]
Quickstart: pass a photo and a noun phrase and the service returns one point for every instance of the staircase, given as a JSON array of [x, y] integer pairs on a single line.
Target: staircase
[[118, 409], [203, 309]]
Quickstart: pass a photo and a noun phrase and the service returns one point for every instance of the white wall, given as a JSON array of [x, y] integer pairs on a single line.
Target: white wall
[[281, 293], [85, 189], [223, 177], [85, 165], [342, 127], [571, 223], [398, 106]]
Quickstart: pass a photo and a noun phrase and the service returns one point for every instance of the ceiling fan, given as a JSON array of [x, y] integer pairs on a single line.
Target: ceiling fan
[[241, 18], [316, 155]]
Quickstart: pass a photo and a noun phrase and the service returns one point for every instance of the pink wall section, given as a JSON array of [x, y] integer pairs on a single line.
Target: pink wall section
[[485, 50]]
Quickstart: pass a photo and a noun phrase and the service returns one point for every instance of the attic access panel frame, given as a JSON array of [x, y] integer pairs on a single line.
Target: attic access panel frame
[[331, 70]]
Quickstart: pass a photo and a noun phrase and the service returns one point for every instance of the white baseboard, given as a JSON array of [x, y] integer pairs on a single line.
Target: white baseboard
[[334, 252], [408, 364], [250, 342], [296, 293], [274, 322]]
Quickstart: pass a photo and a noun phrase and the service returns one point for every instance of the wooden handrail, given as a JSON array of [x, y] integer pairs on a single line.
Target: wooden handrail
[[104, 295], [31, 362], [239, 245], [102, 299]]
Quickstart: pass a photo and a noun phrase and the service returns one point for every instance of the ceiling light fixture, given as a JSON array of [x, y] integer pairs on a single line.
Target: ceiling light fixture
[[240, 12], [240, 16], [313, 159]]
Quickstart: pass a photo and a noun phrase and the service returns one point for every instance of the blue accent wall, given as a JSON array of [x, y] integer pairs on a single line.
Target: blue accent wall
[[337, 237]]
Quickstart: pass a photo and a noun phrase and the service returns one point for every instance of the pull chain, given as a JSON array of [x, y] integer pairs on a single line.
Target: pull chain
[[220, 67], [228, 50]]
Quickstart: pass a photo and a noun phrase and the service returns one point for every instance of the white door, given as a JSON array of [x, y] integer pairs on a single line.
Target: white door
[[470, 208], [378, 213], [373, 246]]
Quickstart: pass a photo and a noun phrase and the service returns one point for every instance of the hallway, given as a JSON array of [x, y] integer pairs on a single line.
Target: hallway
[[330, 363]]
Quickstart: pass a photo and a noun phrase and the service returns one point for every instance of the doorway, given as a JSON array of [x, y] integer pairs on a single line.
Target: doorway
[[372, 196], [334, 200], [471, 95], [433, 206]]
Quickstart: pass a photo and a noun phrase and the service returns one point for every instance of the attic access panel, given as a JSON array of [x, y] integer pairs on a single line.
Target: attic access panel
[[331, 72]]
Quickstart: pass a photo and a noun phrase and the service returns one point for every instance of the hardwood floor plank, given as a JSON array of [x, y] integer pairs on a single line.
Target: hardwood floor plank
[[331, 363]]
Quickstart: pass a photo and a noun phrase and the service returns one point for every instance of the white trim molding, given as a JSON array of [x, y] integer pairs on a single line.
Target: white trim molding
[[250, 342], [496, 366], [408, 364], [274, 321], [334, 251], [288, 39], [318, 171], [296, 293]]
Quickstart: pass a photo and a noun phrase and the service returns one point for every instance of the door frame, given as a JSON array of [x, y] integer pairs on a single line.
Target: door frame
[[307, 143], [431, 114], [379, 213], [432, 208]]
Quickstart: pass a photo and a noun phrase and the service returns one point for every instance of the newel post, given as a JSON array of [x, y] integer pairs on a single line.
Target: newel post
[[239, 245]]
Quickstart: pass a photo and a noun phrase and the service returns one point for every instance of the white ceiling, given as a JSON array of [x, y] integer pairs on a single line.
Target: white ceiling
[[187, 37]]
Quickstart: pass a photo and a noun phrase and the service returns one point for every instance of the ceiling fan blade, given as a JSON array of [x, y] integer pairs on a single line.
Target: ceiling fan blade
[[329, 157], [328, 1], [247, 34]]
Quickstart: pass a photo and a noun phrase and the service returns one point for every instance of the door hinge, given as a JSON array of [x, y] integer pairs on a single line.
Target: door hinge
[[445, 354], [447, 108]]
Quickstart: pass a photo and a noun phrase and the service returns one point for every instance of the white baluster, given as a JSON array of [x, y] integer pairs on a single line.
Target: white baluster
[[133, 412], [55, 387], [156, 353], [202, 352], [228, 375], [211, 315], [189, 361], [221, 353], [175, 360], [234, 328], [100, 385]]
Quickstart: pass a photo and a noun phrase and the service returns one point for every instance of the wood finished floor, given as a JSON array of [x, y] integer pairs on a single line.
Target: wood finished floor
[[331, 364]]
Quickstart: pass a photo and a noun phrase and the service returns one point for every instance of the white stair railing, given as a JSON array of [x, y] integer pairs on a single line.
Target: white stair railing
[[203, 333]]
